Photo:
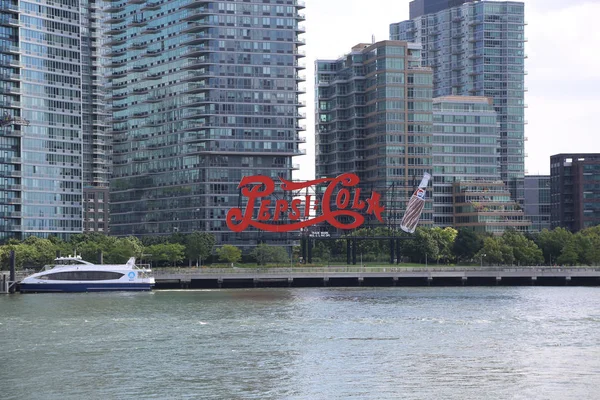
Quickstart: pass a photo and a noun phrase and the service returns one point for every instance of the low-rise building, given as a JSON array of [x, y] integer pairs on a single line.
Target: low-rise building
[[486, 207]]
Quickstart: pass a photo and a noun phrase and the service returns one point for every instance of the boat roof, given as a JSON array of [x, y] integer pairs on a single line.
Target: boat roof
[[73, 258]]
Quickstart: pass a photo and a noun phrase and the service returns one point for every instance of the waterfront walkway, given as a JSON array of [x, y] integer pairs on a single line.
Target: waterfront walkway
[[189, 278]]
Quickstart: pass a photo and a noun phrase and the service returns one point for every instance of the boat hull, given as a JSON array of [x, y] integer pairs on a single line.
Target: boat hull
[[83, 287]]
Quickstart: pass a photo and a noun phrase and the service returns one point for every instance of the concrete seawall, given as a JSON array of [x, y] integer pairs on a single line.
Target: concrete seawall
[[376, 276]]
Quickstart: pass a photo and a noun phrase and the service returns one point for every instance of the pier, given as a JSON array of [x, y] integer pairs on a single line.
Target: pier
[[353, 276]]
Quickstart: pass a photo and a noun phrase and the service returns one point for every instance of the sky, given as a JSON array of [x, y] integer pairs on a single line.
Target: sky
[[563, 68]]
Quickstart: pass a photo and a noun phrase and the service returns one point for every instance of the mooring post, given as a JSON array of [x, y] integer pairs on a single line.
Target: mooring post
[[11, 279]]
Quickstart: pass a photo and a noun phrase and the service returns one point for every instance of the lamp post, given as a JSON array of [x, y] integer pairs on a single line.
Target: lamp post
[[483, 255]]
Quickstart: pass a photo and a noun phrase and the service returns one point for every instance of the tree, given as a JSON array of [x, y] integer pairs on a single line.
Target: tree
[[229, 253], [569, 254], [263, 254], [525, 251], [199, 246], [552, 242], [445, 241], [166, 253], [466, 244], [495, 251], [423, 247], [41, 252]]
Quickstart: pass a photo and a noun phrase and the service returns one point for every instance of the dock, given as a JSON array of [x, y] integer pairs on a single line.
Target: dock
[[354, 276]]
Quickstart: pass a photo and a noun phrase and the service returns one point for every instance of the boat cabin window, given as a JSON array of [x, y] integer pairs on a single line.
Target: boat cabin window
[[82, 276]]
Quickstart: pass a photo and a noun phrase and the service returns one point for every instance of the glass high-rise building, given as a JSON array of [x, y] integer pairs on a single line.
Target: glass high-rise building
[[374, 118], [44, 134], [477, 49], [465, 148], [537, 201], [203, 94]]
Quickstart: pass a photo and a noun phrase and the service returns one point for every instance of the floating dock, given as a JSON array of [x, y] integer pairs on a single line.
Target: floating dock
[[354, 276]]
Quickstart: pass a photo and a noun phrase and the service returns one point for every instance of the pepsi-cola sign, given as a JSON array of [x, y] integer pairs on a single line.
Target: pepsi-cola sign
[[340, 191]]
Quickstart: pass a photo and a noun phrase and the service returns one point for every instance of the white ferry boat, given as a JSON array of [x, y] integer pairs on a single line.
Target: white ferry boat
[[72, 274]]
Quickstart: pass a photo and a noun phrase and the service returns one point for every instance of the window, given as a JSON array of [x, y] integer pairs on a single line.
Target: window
[[82, 276]]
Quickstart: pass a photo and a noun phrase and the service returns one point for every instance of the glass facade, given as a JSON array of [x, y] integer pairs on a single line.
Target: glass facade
[[477, 49], [203, 94], [374, 118], [466, 139], [95, 124], [537, 201], [41, 163]]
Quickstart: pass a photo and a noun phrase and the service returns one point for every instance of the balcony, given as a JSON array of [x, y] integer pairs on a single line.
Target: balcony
[[115, 41], [193, 15], [114, 19], [153, 76], [194, 51], [114, 8], [193, 27], [197, 39], [138, 45], [10, 214], [136, 1], [151, 5], [193, 64], [300, 4], [10, 160], [300, 17], [152, 53], [10, 77], [299, 53], [10, 90], [115, 53], [194, 3], [196, 101], [9, 49], [118, 74], [139, 68], [139, 91], [116, 63], [10, 104], [138, 23], [114, 30], [151, 29]]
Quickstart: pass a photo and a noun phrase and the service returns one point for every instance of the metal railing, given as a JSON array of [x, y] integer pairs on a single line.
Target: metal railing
[[362, 269]]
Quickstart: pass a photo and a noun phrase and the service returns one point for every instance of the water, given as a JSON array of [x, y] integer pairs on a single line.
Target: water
[[325, 343]]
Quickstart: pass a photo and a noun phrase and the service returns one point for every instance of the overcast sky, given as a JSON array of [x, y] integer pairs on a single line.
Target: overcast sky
[[563, 67]]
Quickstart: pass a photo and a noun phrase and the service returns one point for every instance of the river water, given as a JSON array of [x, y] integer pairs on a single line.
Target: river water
[[323, 343]]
